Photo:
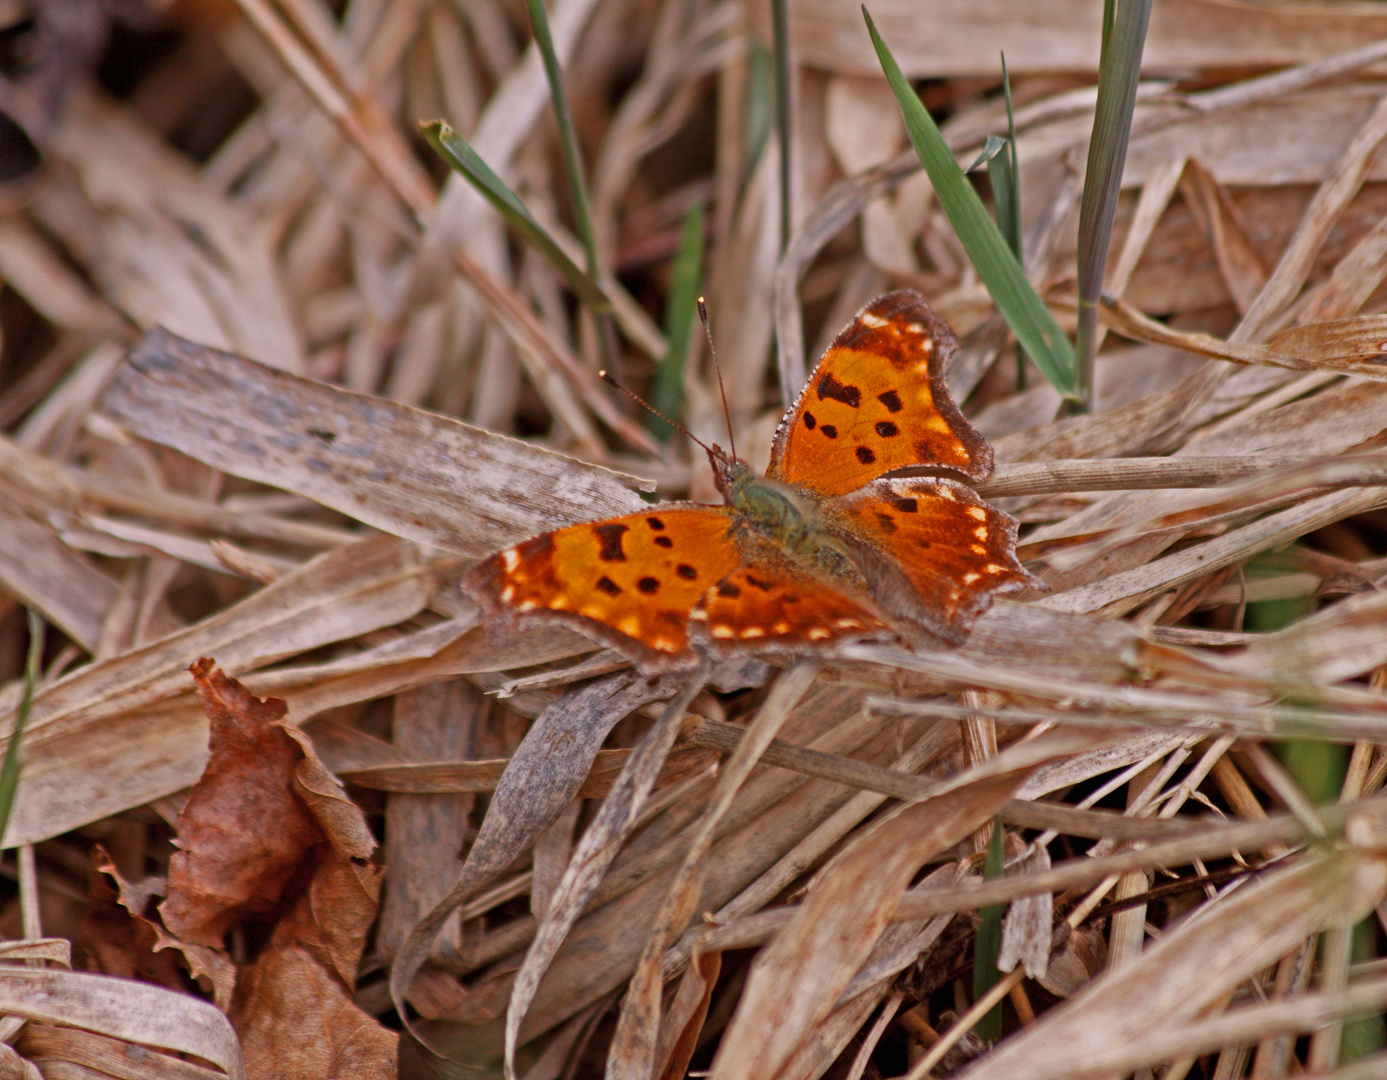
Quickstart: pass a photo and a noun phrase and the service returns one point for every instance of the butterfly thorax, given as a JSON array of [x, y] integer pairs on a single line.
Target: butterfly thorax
[[773, 513]]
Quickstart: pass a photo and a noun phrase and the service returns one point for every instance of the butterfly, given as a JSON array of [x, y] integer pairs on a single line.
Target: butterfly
[[821, 550]]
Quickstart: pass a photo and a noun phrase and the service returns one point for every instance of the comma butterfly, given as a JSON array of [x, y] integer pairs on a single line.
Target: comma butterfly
[[819, 551]]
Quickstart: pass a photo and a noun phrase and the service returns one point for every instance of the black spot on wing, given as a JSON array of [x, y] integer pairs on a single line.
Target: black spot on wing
[[809, 421], [887, 430], [685, 571], [829, 387], [830, 432], [886, 522], [757, 583], [609, 536], [906, 506], [655, 523], [608, 586], [865, 455], [664, 542], [729, 590], [648, 585], [891, 400]]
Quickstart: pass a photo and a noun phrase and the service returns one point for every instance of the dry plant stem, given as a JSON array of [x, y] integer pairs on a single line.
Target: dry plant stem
[[1214, 842], [632, 1054], [535, 341], [545, 774], [1304, 1013], [870, 1040], [594, 854], [1324, 209], [905, 786]]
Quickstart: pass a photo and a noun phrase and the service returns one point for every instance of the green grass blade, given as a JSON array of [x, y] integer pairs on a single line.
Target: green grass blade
[[758, 108], [667, 393], [1035, 328], [573, 165], [780, 23], [1107, 154], [1009, 206], [988, 944], [9, 771], [1003, 181], [1009, 209], [459, 155]]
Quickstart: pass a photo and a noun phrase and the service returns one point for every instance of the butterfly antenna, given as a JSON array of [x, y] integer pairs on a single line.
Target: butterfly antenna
[[607, 378], [708, 333]]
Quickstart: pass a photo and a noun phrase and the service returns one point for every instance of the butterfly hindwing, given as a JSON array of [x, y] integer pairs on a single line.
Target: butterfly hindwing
[[767, 607], [878, 401], [628, 582], [934, 553]]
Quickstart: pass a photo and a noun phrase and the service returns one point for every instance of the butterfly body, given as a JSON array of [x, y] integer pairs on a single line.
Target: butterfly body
[[820, 550]]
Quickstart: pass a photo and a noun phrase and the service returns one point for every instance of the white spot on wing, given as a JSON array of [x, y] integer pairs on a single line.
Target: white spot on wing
[[754, 632], [818, 633], [511, 558], [527, 605], [721, 631], [977, 513], [508, 594], [868, 319]]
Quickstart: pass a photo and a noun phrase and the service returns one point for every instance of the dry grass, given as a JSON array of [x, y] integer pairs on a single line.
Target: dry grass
[[1198, 809]]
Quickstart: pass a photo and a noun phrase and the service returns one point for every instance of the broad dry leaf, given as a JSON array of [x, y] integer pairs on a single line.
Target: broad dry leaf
[[1195, 966], [125, 1009], [939, 38], [412, 473], [93, 732], [795, 981], [294, 1010], [244, 831], [542, 777]]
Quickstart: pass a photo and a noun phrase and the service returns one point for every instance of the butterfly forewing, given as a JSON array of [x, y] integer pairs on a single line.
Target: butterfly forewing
[[769, 608], [951, 550], [629, 582], [878, 401]]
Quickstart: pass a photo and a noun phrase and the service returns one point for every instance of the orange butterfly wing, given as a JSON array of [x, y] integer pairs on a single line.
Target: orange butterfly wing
[[765, 607], [937, 537], [878, 401], [628, 582]]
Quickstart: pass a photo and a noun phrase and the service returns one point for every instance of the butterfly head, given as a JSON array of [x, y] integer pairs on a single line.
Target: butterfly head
[[731, 474]]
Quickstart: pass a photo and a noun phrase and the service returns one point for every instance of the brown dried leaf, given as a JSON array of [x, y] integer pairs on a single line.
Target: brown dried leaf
[[294, 1011], [244, 832]]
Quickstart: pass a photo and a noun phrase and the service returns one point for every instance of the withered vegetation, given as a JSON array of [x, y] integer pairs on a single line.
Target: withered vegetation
[[261, 353]]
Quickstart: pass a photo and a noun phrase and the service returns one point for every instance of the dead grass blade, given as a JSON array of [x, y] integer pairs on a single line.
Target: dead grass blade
[[594, 854], [633, 1054], [1228, 943], [124, 1009], [362, 457], [796, 980], [375, 583], [541, 779]]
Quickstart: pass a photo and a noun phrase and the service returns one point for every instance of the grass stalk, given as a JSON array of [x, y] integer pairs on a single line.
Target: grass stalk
[[1119, 70]]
